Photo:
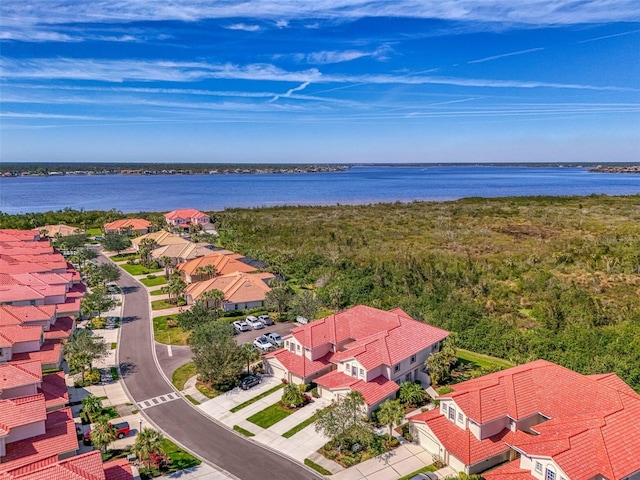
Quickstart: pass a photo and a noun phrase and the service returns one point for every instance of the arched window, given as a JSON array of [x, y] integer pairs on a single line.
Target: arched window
[[551, 474]]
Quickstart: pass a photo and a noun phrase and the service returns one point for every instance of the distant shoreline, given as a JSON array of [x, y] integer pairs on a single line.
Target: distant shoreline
[[73, 169]]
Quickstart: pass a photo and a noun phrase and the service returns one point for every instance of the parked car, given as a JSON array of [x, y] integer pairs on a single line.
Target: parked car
[[425, 476], [302, 320], [254, 323], [263, 343], [247, 382], [266, 320], [241, 326], [274, 338], [122, 428]]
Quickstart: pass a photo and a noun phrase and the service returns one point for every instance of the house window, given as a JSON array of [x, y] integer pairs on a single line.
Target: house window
[[460, 417], [298, 347], [354, 370], [551, 475], [413, 358], [407, 377], [292, 347], [452, 414], [361, 370], [396, 368], [538, 467], [444, 408], [347, 367]]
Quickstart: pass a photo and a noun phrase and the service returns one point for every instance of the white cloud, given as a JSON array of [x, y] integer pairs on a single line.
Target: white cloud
[[243, 26], [505, 55], [282, 23]]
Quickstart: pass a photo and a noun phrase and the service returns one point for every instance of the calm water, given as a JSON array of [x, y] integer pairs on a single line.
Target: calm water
[[356, 186]]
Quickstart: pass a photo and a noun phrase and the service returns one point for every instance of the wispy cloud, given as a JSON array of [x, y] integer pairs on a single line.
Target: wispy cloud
[[291, 91], [505, 55], [608, 36], [243, 26]]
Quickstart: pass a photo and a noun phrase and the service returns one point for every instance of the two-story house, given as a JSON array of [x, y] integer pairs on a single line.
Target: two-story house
[[360, 349], [546, 421], [187, 217]]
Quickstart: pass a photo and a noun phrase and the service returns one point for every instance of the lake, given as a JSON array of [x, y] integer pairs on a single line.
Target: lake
[[358, 185]]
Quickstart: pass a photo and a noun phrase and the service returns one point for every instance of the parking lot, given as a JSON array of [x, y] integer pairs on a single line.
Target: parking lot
[[248, 337]]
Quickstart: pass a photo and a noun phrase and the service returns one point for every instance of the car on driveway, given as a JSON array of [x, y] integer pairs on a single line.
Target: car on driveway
[[253, 322], [425, 476], [247, 382], [274, 338], [122, 430], [263, 344], [241, 326], [266, 320]]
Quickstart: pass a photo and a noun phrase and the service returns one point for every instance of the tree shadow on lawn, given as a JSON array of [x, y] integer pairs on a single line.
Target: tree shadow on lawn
[[127, 368]]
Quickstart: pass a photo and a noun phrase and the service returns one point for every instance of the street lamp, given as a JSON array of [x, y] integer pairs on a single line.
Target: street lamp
[[140, 425]]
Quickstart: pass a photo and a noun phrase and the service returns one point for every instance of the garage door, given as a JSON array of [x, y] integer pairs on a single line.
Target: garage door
[[277, 372], [428, 443]]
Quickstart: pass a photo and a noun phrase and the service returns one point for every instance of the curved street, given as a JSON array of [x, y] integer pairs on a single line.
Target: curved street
[[176, 417]]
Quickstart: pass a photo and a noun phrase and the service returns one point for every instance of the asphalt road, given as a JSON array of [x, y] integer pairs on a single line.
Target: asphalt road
[[178, 419]]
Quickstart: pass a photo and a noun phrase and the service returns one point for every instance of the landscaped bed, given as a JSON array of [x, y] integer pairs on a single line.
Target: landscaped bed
[[165, 329], [357, 454], [155, 293], [162, 305], [270, 415], [256, 398], [182, 374]]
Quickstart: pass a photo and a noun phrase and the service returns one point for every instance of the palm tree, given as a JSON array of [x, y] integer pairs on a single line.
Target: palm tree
[[103, 433], [391, 413], [167, 263], [292, 395], [216, 296], [411, 393], [91, 405], [148, 443], [206, 271], [250, 354]]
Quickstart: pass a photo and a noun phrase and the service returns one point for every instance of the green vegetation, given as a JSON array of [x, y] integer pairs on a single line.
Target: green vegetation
[[517, 278], [114, 374], [243, 431], [137, 269], [270, 415], [161, 305], [311, 464], [153, 281], [255, 399], [165, 328], [93, 232], [429, 468], [192, 400], [206, 390], [155, 293], [303, 425], [481, 361], [114, 345], [124, 256], [182, 374]]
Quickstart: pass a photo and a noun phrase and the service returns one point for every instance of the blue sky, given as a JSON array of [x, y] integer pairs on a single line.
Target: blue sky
[[323, 81]]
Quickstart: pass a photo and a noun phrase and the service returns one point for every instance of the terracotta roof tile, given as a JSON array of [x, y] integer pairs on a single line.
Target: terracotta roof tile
[[54, 389], [299, 364], [185, 213], [61, 329], [224, 264], [119, 469], [13, 315], [17, 412], [237, 287], [14, 375], [50, 353], [377, 389], [12, 334], [126, 223], [509, 471]]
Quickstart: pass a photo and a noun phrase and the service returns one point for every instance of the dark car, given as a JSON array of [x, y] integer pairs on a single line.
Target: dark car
[[247, 382], [425, 476]]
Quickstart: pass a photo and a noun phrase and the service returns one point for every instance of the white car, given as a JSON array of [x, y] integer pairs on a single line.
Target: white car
[[266, 320], [254, 323], [263, 344], [274, 338], [241, 326]]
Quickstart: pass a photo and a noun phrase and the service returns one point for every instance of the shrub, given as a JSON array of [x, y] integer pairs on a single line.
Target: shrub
[[314, 393], [393, 443], [91, 377]]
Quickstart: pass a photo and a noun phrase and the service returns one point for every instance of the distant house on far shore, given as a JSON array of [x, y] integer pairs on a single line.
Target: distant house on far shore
[[128, 226], [186, 218]]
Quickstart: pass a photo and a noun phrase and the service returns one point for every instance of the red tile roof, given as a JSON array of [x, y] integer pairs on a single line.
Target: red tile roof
[[336, 379], [12, 334], [14, 375], [13, 315], [299, 364], [14, 235], [60, 438], [87, 466], [223, 263], [237, 287], [50, 353], [126, 223], [61, 329], [17, 412], [373, 391], [54, 389], [185, 213], [509, 471], [462, 444]]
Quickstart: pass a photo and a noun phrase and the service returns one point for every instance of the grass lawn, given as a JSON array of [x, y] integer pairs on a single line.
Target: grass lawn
[[162, 305], [94, 231], [114, 374], [255, 399], [482, 361], [153, 281], [139, 269], [318, 468], [179, 458], [270, 415], [243, 431], [163, 333], [429, 468], [114, 345], [305, 424], [124, 256], [182, 374], [192, 400], [156, 292]]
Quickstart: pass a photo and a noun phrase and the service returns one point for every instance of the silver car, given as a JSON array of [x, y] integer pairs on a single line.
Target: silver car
[[263, 344], [274, 338], [254, 323], [241, 326], [266, 320]]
